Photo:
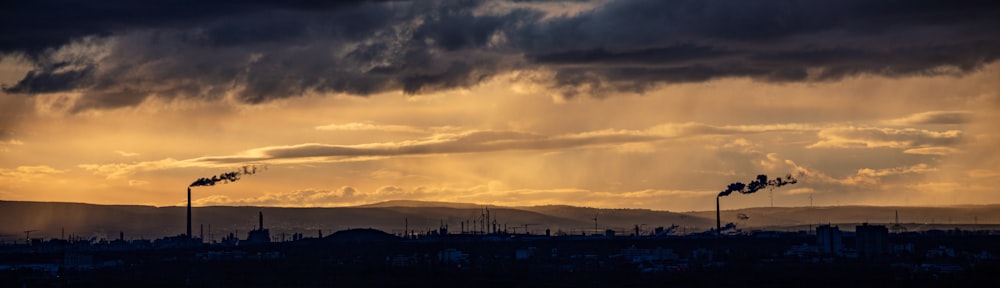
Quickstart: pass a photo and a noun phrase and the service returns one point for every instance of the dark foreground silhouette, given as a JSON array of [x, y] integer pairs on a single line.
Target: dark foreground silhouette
[[371, 258]]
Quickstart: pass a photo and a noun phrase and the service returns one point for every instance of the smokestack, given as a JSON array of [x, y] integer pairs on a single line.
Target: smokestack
[[718, 220], [227, 177], [189, 214], [261, 215], [760, 183]]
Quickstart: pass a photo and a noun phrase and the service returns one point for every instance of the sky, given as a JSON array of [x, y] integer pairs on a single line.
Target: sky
[[612, 104]]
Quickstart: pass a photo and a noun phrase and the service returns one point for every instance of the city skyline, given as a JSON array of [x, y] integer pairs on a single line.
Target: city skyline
[[610, 104]]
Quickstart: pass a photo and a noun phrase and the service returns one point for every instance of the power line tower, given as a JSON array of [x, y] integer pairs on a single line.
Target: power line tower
[[596, 230]]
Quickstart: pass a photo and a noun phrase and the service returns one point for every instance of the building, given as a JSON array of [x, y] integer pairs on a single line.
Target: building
[[636, 255], [829, 240], [261, 235], [452, 256], [871, 240]]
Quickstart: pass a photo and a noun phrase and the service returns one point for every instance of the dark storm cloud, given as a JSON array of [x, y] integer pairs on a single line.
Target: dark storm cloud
[[33, 26], [629, 45], [267, 50], [51, 78], [653, 56]]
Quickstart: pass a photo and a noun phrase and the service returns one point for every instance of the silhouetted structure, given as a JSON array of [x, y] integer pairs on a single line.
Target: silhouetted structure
[[189, 214], [896, 227], [261, 235], [760, 183], [872, 240], [361, 235], [352, 257], [227, 177], [718, 218], [828, 238]]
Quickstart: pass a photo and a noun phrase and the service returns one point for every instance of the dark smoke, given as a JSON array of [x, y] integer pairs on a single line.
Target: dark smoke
[[760, 183], [227, 177]]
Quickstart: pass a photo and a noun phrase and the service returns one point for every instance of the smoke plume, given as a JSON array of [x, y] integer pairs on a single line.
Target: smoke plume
[[760, 183], [227, 177]]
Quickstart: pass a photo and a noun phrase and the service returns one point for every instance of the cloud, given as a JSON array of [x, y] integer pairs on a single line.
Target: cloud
[[983, 173], [938, 151], [476, 141], [871, 137], [466, 142], [697, 129], [481, 194], [135, 183], [118, 54], [366, 126], [630, 45], [126, 154], [122, 170], [868, 176], [37, 25], [741, 145], [471, 141], [40, 169], [343, 196], [301, 198], [636, 148], [5, 143], [800, 191], [919, 168], [30, 173], [864, 179], [933, 117]]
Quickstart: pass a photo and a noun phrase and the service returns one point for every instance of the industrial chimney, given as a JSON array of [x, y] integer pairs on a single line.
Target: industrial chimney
[[718, 220], [189, 214], [760, 183], [261, 235], [223, 178]]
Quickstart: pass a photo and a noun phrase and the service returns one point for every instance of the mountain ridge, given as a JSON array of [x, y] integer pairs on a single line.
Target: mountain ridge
[[50, 219], [424, 203]]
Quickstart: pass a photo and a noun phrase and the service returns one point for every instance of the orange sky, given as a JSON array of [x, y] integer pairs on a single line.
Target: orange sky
[[860, 141], [513, 138]]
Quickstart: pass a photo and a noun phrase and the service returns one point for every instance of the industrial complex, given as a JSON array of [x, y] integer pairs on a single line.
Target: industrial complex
[[485, 248]]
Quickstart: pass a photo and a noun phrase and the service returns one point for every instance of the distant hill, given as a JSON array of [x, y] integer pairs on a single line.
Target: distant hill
[[414, 203], [914, 218], [50, 219]]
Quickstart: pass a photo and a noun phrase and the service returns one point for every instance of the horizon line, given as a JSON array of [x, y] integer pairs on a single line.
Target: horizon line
[[480, 205]]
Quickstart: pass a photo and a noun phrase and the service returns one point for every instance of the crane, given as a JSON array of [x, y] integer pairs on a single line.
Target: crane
[[526, 228], [27, 236]]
